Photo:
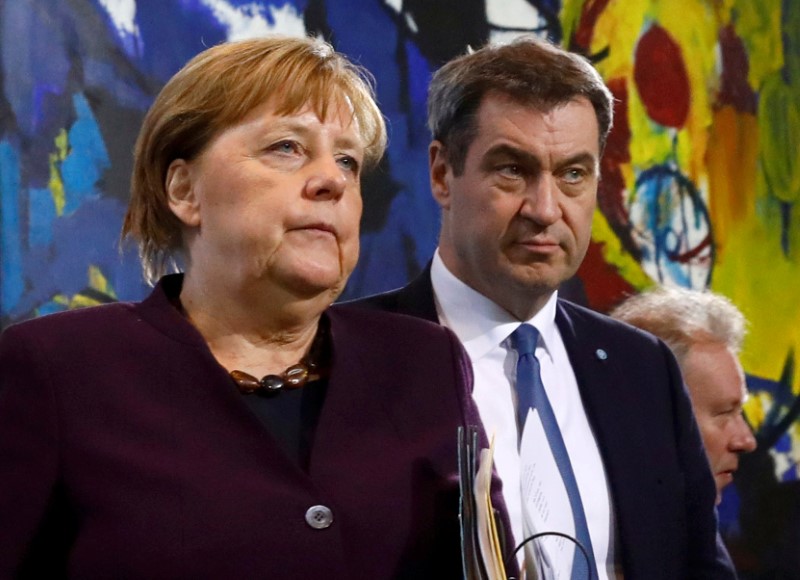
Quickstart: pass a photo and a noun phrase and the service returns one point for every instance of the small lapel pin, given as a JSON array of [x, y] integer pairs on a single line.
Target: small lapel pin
[[601, 354]]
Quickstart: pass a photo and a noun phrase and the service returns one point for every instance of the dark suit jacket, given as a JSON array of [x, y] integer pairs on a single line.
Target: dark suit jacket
[[661, 487], [127, 452]]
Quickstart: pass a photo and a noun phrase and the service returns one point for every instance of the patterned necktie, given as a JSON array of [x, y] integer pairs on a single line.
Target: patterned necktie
[[531, 394]]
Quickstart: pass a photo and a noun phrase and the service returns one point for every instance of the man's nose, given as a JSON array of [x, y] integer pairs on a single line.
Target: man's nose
[[743, 440], [541, 203]]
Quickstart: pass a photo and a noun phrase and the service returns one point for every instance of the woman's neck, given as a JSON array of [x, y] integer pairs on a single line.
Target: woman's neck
[[254, 328]]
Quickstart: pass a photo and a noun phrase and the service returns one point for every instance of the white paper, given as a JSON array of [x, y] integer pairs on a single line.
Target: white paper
[[546, 506], [487, 531]]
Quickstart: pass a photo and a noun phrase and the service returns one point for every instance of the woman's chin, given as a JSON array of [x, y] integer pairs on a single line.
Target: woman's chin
[[312, 282]]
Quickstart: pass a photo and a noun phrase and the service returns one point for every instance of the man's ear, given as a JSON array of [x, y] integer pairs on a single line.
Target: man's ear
[[440, 173], [180, 193]]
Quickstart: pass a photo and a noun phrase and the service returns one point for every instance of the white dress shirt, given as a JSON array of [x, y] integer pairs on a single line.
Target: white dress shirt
[[484, 329]]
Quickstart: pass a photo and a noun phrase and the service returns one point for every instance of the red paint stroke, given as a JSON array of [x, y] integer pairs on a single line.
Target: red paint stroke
[[611, 189], [618, 144], [734, 88], [603, 285], [661, 78], [582, 36], [690, 255]]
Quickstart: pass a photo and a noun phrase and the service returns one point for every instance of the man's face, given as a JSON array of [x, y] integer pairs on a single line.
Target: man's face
[[517, 221], [716, 385]]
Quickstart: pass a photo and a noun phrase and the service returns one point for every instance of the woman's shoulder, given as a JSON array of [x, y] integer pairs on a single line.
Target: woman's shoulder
[[78, 328], [80, 319]]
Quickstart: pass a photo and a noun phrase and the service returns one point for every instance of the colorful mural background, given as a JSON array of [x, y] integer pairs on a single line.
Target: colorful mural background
[[700, 186]]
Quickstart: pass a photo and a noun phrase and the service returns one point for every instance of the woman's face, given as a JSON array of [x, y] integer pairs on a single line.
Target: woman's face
[[276, 199]]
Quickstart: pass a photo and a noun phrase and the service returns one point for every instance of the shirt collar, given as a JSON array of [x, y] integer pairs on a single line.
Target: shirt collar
[[480, 324]]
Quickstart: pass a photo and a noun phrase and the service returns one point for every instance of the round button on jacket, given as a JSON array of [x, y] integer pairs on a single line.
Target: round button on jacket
[[319, 517]]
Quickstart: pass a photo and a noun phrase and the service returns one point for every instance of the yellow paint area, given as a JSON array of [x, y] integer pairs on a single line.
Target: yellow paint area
[[56, 185], [732, 164], [764, 285], [759, 26], [615, 255], [96, 281]]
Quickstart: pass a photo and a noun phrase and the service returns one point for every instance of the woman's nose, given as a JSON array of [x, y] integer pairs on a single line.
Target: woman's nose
[[326, 180]]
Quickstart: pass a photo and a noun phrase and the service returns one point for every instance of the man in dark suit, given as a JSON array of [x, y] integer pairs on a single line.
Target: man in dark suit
[[518, 131]]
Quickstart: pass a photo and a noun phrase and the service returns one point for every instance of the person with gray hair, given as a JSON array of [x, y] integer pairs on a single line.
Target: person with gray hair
[[705, 331]]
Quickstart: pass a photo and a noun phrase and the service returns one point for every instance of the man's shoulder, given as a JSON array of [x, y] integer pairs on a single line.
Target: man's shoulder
[[385, 301], [368, 316], [414, 299]]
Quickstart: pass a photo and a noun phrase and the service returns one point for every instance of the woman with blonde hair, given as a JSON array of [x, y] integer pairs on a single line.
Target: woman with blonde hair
[[234, 424]]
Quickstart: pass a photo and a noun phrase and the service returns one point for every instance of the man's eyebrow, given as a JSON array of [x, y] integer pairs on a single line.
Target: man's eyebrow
[[506, 150], [527, 158], [583, 158]]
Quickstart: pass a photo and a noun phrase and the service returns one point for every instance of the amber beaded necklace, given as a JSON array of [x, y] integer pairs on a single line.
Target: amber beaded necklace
[[312, 367]]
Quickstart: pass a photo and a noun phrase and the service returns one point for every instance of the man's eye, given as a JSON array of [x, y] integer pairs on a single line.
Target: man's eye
[[510, 170], [574, 175]]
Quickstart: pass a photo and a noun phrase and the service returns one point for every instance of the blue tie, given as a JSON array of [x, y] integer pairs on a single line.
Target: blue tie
[[531, 394]]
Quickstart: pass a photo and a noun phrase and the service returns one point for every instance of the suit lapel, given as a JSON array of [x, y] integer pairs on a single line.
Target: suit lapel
[[595, 362], [614, 408], [416, 298]]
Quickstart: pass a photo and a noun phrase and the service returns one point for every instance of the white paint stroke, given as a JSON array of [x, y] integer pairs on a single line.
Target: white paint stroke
[[512, 14], [251, 20], [123, 17]]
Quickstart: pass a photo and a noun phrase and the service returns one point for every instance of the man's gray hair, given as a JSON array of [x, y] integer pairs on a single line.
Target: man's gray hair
[[682, 318]]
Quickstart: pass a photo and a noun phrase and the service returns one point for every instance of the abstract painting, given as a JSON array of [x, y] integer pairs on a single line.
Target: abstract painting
[[700, 180]]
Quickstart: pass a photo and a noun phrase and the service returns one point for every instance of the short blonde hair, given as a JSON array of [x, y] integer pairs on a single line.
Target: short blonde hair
[[215, 90], [683, 318]]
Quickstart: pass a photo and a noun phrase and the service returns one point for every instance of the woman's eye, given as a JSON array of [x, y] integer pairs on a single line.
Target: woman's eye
[[287, 147], [349, 163]]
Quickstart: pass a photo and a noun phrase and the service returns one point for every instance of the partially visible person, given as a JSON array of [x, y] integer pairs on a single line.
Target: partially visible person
[[593, 430], [705, 331], [232, 425]]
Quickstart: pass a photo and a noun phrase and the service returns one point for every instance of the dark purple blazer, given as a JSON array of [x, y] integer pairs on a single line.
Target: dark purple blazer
[[662, 491], [127, 452]]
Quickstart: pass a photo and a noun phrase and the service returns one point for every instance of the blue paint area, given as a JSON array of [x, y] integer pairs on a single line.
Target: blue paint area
[[11, 284], [87, 158], [419, 76], [675, 215], [124, 90], [33, 61], [41, 215], [89, 236], [172, 33], [408, 237], [50, 308]]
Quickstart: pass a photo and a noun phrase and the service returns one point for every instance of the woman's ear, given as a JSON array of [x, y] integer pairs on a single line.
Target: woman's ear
[[439, 173], [180, 193]]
